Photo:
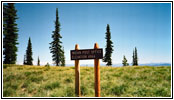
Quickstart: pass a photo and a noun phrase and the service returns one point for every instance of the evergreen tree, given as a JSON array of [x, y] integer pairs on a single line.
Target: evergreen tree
[[29, 58], [109, 47], [38, 62], [133, 59], [56, 48], [136, 57], [5, 18], [124, 61], [10, 34]]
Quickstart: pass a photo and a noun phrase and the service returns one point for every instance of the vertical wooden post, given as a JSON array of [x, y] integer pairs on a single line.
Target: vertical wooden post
[[97, 74], [77, 75]]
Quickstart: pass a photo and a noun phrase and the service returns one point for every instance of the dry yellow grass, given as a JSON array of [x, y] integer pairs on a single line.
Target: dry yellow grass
[[40, 81]]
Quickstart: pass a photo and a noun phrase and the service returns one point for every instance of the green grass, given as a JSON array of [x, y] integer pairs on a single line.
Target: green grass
[[40, 81]]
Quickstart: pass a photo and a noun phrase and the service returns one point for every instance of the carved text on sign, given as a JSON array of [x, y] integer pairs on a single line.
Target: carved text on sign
[[86, 54]]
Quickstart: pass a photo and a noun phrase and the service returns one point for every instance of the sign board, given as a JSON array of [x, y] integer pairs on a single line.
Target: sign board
[[87, 54]]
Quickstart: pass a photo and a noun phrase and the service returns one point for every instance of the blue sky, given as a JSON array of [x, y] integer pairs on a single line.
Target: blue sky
[[146, 26]]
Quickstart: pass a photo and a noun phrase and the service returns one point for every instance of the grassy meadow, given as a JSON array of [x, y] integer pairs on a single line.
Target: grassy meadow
[[40, 81]]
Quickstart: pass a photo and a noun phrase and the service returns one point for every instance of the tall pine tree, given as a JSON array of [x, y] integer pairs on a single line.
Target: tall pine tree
[[10, 35], [135, 57], [56, 48], [29, 59], [109, 47], [38, 62]]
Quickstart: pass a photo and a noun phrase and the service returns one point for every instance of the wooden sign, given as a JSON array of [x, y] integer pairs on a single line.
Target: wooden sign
[[96, 54], [84, 54]]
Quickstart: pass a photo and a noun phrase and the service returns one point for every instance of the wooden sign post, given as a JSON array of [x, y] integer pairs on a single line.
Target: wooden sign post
[[83, 54], [97, 74], [77, 74]]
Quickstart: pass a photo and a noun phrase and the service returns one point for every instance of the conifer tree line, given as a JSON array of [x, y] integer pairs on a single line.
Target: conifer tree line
[[134, 59], [109, 50], [10, 37]]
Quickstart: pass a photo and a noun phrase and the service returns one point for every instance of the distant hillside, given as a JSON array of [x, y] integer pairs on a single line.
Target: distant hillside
[[156, 64], [119, 65], [147, 64], [39, 81]]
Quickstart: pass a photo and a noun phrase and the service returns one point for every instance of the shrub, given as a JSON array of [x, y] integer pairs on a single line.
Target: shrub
[[47, 65]]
